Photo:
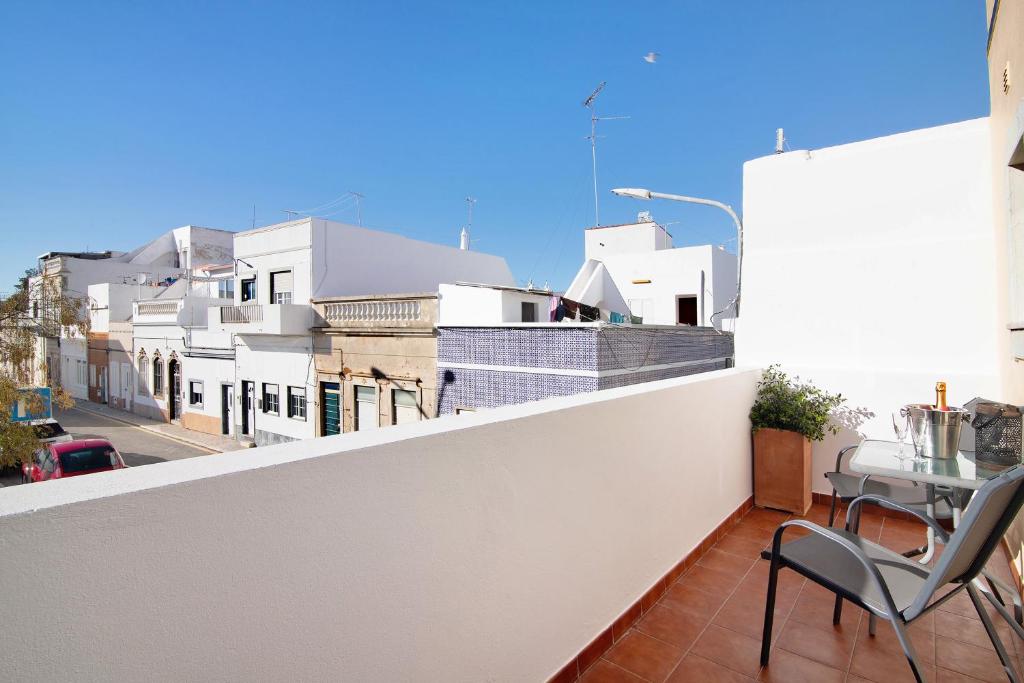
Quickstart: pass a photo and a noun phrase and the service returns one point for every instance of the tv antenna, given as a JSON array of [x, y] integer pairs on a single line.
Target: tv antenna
[[594, 118], [359, 205]]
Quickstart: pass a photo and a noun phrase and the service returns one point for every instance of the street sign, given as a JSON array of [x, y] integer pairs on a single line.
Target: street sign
[[22, 409]]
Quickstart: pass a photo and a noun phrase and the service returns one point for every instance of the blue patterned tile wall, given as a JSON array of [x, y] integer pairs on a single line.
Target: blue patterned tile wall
[[605, 348]]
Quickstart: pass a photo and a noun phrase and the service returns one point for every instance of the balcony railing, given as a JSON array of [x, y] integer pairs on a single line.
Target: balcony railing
[[158, 307], [246, 313], [373, 311]]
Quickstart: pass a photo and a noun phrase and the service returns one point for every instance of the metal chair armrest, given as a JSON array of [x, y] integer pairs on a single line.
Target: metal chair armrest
[[846, 545], [893, 505], [839, 458]]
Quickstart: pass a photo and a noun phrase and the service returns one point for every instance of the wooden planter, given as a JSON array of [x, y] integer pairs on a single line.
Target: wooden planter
[[782, 470]]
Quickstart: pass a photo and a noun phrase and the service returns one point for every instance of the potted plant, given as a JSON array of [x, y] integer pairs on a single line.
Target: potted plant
[[786, 417]]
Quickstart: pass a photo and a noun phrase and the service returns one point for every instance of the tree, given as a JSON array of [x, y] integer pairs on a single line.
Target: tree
[[38, 308]]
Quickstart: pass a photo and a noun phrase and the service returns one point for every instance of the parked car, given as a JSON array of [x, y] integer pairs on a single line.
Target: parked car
[[50, 431], [70, 459]]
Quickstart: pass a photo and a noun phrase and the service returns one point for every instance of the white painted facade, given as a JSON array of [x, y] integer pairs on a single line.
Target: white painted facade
[[290, 264], [472, 304], [650, 276], [869, 269], [167, 256], [174, 327]]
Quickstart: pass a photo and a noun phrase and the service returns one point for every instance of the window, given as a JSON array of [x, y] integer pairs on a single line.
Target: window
[[529, 310], [297, 403], [92, 375], [686, 310], [366, 408], [226, 289], [81, 373], [88, 459], [249, 289], [143, 372], [195, 393], [35, 309], [281, 287], [158, 376], [404, 407], [271, 401]]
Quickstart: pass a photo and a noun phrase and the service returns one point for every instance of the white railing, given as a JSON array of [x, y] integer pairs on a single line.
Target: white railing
[[246, 313], [158, 307], [373, 311]]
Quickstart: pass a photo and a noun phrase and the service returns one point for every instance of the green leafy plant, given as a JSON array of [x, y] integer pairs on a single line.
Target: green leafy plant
[[784, 403]]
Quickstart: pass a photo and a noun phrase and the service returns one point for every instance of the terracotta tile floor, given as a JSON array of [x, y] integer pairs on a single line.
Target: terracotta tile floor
[[707, 626]]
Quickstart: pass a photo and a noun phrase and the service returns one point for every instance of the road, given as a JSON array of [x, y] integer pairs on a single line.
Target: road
[[136, 446]]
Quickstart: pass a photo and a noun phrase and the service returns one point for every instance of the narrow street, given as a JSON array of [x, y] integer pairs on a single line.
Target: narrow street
[[136, 446]]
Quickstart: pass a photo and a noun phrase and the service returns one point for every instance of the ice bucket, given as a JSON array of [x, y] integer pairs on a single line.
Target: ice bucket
[[935, 433]]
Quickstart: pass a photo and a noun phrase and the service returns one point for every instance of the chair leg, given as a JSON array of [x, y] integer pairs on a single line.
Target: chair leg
[[990, 628], [837, 612], [905, 643], [872, 624], [769, 610], [832, 510]]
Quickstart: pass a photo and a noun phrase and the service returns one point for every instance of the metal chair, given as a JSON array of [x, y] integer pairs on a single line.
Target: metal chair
[[891, 586], [846, 487]]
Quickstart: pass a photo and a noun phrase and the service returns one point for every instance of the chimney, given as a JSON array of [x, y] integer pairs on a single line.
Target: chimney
[[464, 240]]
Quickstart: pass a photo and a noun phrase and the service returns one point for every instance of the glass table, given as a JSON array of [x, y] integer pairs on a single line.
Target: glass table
[[959, 476]]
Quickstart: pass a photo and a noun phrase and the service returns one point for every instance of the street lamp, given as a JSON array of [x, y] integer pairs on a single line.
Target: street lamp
[[638, 193]]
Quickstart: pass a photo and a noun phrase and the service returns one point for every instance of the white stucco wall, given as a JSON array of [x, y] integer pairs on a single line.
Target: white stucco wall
[[869, 269], [492, 546], [72, 351], [284, 361], [469, 305], [624, 239], [672, 273]]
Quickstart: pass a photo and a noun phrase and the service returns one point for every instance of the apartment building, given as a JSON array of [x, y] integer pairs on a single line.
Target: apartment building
[[71, 273], [633, 270], [186, 371], [281, 270], [107, 374]]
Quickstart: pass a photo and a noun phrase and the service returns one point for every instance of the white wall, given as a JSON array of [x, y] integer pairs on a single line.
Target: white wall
[[352, 261], [212, 372], [284, 361], [276, 248], [492, 546], [869, 269], [608, 240], [73, 351], [468, 305], [672, 273]]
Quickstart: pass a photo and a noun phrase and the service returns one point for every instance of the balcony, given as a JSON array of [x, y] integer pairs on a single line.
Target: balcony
[[550, 540], [407, 314], [273, 319]]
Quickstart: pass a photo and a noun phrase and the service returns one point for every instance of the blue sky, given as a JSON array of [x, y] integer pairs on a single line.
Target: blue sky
[[122, 120]]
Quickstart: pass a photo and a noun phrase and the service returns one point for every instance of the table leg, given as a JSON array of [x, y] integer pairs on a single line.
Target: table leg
[[930, 511]]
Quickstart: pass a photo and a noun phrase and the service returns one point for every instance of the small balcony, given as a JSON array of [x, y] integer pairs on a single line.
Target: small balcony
[[274, 319]]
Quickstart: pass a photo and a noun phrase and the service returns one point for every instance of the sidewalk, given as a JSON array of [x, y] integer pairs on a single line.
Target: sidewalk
[[210, 442]]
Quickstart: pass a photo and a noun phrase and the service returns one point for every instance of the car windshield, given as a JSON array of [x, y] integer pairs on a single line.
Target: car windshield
[[49, 430], [83, 459]]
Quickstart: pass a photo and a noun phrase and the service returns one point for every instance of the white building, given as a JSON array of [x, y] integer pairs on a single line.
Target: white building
[[467, 303], [634, 266], [869, 269], [280, 270], [105, 373], [167, 256], [186, 371]]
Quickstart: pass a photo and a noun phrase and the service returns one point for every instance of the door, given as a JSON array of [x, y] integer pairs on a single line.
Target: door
[[103, 384], [126, 386], [248, 407], [330, 399], [174, 370], [227, 401]]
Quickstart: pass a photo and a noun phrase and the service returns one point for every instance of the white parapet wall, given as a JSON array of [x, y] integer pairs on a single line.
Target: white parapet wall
[[869, 268], [491, 546]]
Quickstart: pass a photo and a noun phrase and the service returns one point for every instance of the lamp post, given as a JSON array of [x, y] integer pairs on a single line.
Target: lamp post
[[637, 193]]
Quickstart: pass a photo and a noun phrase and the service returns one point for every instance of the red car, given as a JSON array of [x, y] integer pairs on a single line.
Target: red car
[[70, 459]]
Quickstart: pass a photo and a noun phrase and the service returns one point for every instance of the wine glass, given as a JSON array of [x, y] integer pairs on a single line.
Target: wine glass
[[901, 427]]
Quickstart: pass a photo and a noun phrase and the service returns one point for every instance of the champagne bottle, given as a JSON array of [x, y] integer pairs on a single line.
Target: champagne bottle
[[940, 396]]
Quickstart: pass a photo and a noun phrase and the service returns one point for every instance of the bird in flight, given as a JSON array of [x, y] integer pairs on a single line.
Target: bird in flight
[[651, 57]]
